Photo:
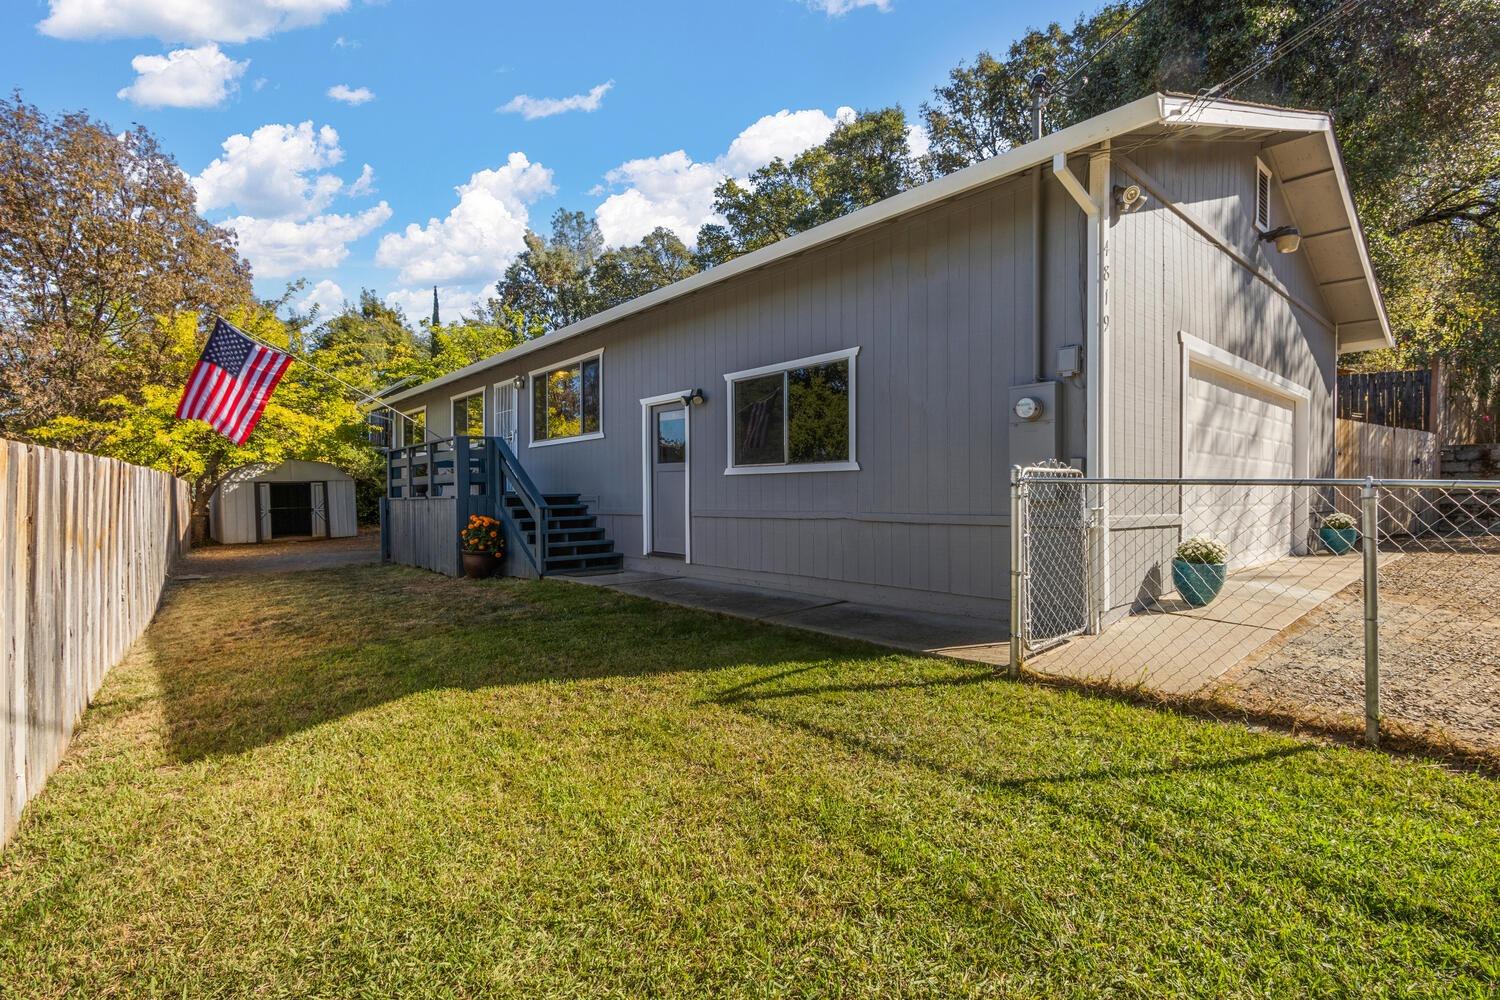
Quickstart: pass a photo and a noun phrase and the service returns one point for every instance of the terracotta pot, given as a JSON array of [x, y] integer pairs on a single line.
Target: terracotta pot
[[478, 565]]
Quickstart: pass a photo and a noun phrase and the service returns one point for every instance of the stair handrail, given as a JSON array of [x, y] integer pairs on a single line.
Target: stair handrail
[[508, 466]]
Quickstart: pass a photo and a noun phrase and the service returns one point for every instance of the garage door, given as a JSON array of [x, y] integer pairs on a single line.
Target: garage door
[[1237, 430]]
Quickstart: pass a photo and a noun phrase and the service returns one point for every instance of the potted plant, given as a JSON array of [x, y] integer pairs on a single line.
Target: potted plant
[[483, 541], [1199, 569], [1339, 533]]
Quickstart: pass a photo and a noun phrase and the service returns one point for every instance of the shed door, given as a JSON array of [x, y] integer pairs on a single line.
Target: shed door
[[1238, 430], [263, 511], [319, 510]]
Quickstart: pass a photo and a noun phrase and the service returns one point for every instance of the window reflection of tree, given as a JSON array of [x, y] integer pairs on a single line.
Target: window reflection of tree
[[818, 413]]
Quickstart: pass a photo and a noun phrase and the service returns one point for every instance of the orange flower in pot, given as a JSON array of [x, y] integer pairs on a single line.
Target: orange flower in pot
[[483, 543]]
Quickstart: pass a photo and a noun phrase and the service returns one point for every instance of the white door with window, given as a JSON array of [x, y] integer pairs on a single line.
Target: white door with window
[[1236, 429], [505, 413]]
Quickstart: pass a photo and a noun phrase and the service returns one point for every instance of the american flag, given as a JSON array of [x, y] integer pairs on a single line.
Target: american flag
[[232, 383]]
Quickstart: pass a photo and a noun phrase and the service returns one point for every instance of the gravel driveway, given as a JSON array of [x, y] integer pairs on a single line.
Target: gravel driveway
[[1439, 653]]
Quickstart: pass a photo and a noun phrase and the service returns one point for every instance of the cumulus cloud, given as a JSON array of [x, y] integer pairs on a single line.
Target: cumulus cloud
[[283, 248], [364, 184], [193, 21], [351, 95], [453, 300], [186, 78], [675, 191], [479, 236], [326, 296], [838, 8], [274, 171], [545, 107]]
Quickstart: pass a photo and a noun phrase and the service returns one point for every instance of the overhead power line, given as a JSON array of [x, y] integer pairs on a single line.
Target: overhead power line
[[1102, 47]]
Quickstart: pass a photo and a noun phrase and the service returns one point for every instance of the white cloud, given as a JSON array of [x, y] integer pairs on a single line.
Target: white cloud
[[917, 140], [364, 184], [545, 107], [186, 78], [283, 248], [479, 236], [838, 8], [351, 95], [326, 295], [675, 191], [274, 171], [183, 20], [345, 43], [453, 300]]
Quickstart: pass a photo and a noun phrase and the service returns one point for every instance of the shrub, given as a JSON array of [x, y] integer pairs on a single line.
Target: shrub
[[482, 534], [1204, 551], [1339, 522]]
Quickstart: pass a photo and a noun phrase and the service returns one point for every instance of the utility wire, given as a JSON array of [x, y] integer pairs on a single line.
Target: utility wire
[[1203, 97], [1099, 50]]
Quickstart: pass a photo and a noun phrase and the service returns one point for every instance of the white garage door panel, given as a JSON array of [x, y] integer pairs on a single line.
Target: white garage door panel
[[1237, 430]]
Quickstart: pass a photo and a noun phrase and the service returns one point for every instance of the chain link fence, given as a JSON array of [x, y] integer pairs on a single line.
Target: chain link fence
[[1365, 606]]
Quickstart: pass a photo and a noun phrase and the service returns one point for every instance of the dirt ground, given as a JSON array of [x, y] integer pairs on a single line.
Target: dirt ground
[[1439, 654], [281, 557]]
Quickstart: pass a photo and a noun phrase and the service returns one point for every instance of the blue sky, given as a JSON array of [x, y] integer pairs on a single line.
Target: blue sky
[[398, 144]]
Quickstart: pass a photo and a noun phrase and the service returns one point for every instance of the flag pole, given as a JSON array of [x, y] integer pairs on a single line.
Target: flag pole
[[367, 397]]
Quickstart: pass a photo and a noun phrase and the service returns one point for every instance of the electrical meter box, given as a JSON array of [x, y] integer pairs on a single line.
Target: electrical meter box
[[1035, 423]]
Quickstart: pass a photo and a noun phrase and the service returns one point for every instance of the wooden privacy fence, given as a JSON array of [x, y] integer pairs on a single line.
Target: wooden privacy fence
[[85, 547], [1370, 450]]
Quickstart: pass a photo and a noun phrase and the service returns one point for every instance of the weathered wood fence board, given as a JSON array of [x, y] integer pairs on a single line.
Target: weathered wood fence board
[[85, 547], [1370, 450], [424, 532]]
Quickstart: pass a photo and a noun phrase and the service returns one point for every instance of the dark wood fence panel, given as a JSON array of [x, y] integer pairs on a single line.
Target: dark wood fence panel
[[85, 547], [1390, 399]]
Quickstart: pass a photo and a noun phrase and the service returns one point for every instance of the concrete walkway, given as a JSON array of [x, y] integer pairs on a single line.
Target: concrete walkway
[[917, 631], [1174, 649]]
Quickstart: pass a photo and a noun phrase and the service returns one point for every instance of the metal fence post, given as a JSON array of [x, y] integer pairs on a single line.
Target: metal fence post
[[1369, 505], [1017, 589]]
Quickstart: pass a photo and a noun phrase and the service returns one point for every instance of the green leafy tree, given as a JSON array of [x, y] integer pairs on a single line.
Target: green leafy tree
[[548, 283], [629, 272], [863, 161], [98, 237], [308, 417]]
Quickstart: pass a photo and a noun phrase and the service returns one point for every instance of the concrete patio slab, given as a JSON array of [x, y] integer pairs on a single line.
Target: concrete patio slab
[[917, 631]]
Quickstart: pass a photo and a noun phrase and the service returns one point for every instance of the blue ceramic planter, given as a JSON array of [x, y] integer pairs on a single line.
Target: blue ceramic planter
[[1198, 583], [1339, 540]]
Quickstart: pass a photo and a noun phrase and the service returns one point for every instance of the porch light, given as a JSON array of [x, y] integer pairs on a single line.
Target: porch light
[[1288, 238], [519, 381], [694, 398]]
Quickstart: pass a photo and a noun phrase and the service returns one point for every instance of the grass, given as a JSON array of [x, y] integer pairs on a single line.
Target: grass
[[379, 782]]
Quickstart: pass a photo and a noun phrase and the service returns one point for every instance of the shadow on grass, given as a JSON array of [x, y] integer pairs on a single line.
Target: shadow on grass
[[245, 662]]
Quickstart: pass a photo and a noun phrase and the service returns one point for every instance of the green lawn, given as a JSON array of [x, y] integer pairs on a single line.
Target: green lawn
[[379, 782]]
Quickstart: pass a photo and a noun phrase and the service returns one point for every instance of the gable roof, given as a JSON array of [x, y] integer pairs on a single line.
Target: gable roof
[[1312, 180]]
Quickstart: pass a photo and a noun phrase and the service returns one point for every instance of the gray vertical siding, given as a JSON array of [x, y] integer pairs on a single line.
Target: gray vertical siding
[[940, 305]]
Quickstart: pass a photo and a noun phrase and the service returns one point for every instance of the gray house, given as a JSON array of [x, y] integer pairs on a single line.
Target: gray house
[[1159, 291]]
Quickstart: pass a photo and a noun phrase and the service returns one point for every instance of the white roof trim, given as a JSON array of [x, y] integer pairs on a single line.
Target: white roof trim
[[1152, 109]]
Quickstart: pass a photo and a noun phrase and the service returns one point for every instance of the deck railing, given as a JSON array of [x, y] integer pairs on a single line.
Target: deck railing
[[478, 473]]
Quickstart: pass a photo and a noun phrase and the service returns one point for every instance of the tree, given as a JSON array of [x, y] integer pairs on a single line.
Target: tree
[[629, 272], [863, 161], [308, 417], [98, 237], [548, 284]]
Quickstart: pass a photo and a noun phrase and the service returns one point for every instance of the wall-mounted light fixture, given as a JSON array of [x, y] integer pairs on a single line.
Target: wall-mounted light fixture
[[1288, 239], [694, 398], [519, 381], [1130, 198]]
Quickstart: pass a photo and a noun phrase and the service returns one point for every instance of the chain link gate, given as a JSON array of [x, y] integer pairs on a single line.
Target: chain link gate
[[1051, 525]]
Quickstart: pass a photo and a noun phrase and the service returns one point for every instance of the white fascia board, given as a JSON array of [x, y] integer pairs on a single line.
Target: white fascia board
[[1126, 118], [1337, 158]]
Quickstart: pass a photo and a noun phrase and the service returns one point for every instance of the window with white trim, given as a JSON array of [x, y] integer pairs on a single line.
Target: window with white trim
[[794, 417], [1262, 195], [413, 427], [468, 414], [567, 401]]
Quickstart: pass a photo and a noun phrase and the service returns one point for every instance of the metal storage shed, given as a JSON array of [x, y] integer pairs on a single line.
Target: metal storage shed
[[260, 503]]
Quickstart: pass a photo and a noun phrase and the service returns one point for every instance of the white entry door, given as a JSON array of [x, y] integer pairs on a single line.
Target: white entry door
[[1234, 429], [505, 413]]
